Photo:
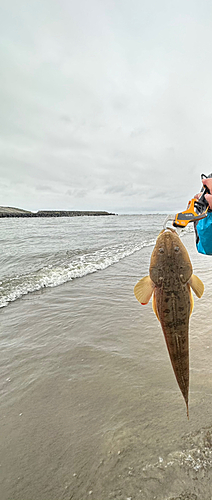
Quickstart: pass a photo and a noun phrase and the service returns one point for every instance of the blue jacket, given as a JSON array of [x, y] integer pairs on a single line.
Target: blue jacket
[[203, 229]]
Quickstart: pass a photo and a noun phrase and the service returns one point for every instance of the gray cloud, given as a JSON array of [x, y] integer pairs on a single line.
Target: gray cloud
[[105, 105]]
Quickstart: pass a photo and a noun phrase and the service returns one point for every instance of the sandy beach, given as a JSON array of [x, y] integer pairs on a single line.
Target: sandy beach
[[90, 408], [90, 405]]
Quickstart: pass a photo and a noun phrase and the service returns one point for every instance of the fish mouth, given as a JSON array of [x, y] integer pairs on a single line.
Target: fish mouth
[[167, 229]]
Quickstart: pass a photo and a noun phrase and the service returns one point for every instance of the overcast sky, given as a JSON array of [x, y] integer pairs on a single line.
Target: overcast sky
[[105, 104]]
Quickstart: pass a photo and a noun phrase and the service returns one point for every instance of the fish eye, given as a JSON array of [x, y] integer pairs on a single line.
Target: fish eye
[[161, 250], [176, 249]]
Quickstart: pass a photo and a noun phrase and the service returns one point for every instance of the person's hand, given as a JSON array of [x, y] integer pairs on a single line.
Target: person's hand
[[208, 197]]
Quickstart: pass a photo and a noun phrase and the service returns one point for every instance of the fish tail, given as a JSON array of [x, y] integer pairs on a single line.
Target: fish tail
[[187, 409]]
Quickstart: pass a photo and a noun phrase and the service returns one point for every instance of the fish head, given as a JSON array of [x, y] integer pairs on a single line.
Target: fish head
[[169, 257]]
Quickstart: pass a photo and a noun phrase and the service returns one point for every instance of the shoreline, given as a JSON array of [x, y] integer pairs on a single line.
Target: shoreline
[[89, 357], [86, 356]]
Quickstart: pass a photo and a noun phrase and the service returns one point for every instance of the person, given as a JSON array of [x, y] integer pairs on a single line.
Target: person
[[203, 227]]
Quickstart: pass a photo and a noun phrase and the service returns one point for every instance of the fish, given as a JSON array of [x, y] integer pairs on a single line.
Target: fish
[[170, 281]]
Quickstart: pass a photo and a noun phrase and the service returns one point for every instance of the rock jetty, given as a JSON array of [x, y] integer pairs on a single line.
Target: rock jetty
[[18, 212]]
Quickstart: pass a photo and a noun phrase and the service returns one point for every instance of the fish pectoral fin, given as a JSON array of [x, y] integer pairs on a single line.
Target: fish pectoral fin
[[191, 301], [144, 289], [154, 306], [196, 285]]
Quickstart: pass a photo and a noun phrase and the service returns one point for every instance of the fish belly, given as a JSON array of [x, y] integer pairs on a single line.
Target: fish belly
[[174, 310]]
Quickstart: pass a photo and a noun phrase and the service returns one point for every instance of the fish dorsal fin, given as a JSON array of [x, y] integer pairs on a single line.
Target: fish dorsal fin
[[191, 300], [196, 285], [154, 306], [144, 289]]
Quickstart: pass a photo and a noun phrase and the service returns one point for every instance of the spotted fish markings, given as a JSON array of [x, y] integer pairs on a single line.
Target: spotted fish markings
[[170, 281]]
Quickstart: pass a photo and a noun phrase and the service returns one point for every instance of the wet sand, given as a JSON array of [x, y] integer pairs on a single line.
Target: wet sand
[[90, 408]]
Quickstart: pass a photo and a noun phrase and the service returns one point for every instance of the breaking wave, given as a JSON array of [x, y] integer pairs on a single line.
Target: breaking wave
[[60, 272]]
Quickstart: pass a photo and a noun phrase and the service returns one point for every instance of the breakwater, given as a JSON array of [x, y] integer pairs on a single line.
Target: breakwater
[[9, 212]]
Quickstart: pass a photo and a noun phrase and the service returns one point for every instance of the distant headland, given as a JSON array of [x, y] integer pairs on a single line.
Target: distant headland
[[18, 212]]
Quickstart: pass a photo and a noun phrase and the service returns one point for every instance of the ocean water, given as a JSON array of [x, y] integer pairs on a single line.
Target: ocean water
[[49, 252], [90, 408]]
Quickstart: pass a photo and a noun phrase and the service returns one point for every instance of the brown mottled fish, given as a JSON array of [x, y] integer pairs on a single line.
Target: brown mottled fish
[[170, 278]]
